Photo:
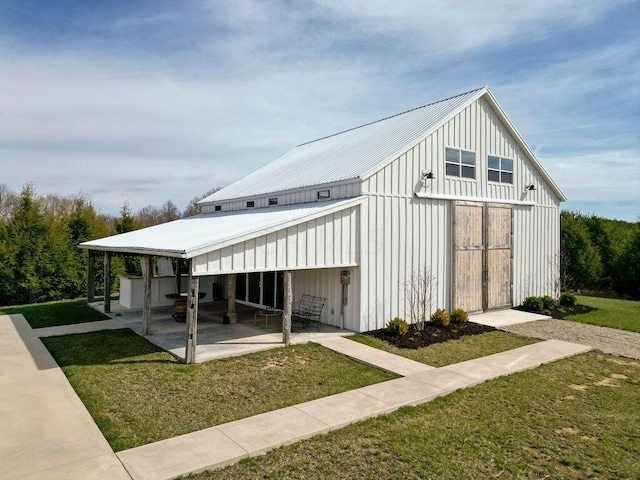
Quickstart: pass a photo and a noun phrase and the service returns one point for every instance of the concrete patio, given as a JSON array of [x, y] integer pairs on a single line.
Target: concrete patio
[[216, 339]]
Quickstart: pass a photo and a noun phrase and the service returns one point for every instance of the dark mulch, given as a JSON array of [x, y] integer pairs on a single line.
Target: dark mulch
[[562, 312], [430, 335]]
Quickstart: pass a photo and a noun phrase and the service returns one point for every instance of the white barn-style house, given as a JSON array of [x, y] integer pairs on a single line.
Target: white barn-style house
[[450, 187]]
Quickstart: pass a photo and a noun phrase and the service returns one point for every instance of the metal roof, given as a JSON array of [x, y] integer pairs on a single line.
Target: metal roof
[[347, 155], [192, 236]]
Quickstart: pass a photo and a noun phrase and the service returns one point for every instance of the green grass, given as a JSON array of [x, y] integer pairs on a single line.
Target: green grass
[[575, 418], [613, 313], [453, 351], [138, 394], [53, 314]]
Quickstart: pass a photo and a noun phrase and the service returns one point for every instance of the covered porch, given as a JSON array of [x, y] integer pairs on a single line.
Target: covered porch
[[216, 339]]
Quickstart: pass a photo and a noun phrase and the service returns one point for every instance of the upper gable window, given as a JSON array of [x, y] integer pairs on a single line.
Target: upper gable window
[[217, 208], [500, 169], [273, 201], [251, 204], [459, 163], [324, 194]]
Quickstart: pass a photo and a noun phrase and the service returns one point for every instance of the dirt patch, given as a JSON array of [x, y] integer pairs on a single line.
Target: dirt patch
[[430, 335]]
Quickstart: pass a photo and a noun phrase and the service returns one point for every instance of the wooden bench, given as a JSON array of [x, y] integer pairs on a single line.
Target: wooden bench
[[308, 311]]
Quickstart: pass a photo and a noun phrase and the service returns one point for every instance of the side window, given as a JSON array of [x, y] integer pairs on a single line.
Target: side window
[[460, 163], [500, 169]]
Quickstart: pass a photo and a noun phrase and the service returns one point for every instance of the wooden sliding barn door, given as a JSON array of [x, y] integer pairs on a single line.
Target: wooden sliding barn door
[[468, 256], [482, 251], [498, 256]]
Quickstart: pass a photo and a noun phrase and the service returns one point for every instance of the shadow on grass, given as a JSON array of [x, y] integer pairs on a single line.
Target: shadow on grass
[[53, 314], [104, 348]]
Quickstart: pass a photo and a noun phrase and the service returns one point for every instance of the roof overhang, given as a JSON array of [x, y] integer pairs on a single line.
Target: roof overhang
[[193, 236]]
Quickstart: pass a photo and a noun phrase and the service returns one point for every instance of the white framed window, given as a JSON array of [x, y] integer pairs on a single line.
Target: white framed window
[[217, 208], [324, 194], [500, 169], [273, 201], [251, 204], [460, 163]]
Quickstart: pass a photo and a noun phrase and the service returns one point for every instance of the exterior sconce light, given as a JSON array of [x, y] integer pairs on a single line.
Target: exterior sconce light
[[529, 188], [428, 175]]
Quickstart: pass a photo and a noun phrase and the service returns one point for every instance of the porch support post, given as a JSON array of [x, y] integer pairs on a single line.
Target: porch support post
[[231, 296], [286, 314], [107, 282], [192, 319], [91, 276], [147, 273], [178, 276]]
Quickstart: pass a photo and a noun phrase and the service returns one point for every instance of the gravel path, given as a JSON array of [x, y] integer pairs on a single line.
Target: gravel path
[[608, 340]]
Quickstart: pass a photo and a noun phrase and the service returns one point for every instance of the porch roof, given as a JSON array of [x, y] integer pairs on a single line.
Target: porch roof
[[200, 234]]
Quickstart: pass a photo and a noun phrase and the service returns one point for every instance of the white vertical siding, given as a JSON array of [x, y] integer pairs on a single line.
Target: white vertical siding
[[325, 282], [325, 242], [536, 247], [402, 234]]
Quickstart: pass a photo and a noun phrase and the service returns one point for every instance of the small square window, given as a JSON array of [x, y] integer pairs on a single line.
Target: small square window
[[460, 163], [273, 201], [500, 169], [324, 194], [217, 208], [251, 204]]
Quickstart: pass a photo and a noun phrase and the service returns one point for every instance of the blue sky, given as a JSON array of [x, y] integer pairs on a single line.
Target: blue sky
[[148, 101]]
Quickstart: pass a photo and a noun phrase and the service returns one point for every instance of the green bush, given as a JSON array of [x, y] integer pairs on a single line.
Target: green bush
[[533, 304], [440, 318], [458, 315], [568, 299], [397, 326], [548, 303]]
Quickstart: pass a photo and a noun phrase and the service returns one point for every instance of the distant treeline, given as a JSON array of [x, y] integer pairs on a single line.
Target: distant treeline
[[40, 259], [600, 254], [39, 236]]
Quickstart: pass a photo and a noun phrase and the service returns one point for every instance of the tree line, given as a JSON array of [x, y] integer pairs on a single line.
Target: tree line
[[599, 254], [39, 236]]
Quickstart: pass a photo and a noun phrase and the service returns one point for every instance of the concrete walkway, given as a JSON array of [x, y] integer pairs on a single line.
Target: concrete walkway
[[504, 318], [77, 328], [225, 444], [47, 432]]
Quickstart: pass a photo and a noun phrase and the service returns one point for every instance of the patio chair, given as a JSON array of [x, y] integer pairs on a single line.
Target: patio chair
[[308, 311]]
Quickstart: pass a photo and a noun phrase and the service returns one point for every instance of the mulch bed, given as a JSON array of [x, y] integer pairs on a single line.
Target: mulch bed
[[561, 312], [430, 335]]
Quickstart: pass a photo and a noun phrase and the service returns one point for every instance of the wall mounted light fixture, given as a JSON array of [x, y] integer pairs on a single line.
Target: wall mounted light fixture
[[428, 175], [529, 188]]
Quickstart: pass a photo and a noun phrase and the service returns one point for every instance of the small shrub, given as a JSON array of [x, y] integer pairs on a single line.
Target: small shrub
[[533, 304], [397, 326], [548, 303], [458, 315], [568, 299], [440, 318]]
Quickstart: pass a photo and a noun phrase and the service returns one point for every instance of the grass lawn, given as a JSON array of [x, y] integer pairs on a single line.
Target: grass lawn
[[453, 351], [574, 418], [138, 394], [53, 314], [612, 312]]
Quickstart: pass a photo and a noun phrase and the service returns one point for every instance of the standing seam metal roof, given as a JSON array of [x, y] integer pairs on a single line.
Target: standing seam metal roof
[[346, 155]]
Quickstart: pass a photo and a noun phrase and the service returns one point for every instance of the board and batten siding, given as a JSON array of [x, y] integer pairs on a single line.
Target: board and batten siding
[[401, 232], [325, 283], [401, 235], [329, 241], [292, 197]]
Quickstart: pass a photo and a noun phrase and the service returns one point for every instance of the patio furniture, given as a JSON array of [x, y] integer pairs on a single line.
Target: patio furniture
[[308, 311], [267, 313], [180, 304]]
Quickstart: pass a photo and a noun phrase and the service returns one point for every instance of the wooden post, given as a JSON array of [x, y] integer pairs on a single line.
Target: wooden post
[[147, 274], [286, 314], [91, 277], [231, 296], [107, 282], [178, 276], [192, 319]]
